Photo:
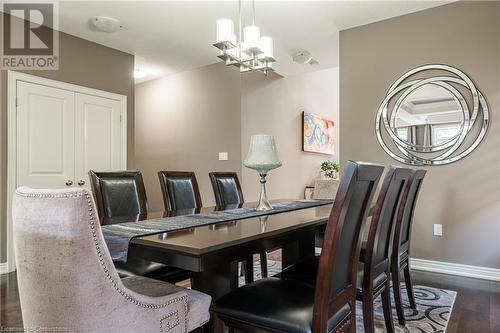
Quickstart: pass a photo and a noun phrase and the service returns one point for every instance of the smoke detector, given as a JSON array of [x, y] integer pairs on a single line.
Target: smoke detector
[[302, 57], [105, 24]]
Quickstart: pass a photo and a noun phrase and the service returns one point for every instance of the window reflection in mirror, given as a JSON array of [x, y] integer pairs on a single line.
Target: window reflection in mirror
[[428, 116]]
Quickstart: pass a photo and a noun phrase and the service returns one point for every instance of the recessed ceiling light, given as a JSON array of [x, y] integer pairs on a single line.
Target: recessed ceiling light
[[140, 73], [106, 24]]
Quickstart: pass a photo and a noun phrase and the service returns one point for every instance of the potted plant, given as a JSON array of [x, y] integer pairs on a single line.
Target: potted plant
[[330, 169], [325, 186]]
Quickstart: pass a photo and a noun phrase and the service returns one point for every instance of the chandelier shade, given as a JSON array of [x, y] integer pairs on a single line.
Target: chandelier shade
[[251, 37], [266, 46], [247, 50], [225, 30]]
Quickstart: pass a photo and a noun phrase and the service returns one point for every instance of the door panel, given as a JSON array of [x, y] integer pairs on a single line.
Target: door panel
[[45, 136], [98, 144]]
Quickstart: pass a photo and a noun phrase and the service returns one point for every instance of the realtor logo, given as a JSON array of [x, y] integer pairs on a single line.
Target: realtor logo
[[30, 36]]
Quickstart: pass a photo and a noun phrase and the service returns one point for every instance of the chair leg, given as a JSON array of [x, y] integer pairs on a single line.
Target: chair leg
[[396, 290], [241, 266], [368, 320], [386, 305], [263, 264], [409, 287], [248, 269], [217, 325]]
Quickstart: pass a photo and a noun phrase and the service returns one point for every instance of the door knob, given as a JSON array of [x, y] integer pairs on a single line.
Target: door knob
[[81, 182], [69, 182]]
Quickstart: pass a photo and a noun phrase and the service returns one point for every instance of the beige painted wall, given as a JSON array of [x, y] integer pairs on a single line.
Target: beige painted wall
[[274, 105], [83, 63], [463, 196], [183, 121], [219, 109]]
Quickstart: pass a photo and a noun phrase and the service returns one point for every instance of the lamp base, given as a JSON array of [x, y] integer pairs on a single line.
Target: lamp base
[[264, 204]]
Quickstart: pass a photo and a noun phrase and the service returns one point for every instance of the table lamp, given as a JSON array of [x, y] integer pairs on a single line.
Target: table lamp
[[263, 157]]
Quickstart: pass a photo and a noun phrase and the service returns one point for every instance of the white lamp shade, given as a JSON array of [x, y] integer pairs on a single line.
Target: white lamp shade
[[251, 36], [266, 46], [233, 39], [262, 155], [225, 30]]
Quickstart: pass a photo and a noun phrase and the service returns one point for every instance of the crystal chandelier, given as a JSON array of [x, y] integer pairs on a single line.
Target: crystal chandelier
[[250, 53]]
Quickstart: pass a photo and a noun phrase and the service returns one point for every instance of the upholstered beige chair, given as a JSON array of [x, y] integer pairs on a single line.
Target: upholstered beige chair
[[67, 280]]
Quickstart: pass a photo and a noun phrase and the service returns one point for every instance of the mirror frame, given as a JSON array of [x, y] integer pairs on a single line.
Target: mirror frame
[[405, 152]]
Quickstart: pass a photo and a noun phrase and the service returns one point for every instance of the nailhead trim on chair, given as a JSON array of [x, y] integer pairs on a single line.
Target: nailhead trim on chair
[[168, 326], [101, 258]]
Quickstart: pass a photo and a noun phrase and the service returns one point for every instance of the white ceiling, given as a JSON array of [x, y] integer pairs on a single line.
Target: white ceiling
[[168, 37]]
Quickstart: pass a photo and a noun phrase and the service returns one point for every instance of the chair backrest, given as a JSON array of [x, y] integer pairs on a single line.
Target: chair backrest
[[119, 193], [336, 282], [180, 190], [383, 221], [402, 230], [66, 277], [227, 189]]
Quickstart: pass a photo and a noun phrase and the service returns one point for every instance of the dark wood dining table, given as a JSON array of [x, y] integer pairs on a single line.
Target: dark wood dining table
[[212, 252]]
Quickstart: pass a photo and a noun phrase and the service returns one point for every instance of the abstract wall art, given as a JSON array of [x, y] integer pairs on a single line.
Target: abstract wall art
[[317, 134]]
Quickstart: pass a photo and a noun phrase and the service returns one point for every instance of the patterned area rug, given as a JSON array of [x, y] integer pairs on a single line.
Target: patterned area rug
[[433, 311]]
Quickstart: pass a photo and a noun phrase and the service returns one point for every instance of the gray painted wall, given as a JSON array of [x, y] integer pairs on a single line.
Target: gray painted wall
[[83, 63], [183, 121], [463, 196], [274, 105]]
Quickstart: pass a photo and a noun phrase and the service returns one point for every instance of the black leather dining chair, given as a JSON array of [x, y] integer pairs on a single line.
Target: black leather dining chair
[[374, 267], [228, 193], [119, 193], [180, 190], [329, 305], [122, 193], [227, 188], [401, 243]]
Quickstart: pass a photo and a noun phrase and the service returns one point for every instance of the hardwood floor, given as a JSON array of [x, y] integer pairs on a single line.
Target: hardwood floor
[[477, 307]]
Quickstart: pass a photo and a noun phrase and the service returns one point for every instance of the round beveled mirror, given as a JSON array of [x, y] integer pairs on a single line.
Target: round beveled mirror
[[432, 115]]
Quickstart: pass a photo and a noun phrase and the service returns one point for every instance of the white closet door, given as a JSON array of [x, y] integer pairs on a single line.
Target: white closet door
[[45, 136], [98, 144]]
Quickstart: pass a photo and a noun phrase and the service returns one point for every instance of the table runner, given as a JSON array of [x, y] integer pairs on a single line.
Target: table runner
[[118, 236]]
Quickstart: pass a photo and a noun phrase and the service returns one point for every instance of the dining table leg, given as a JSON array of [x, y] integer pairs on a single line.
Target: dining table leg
[[217, 281], [220, 280], [298, 250]]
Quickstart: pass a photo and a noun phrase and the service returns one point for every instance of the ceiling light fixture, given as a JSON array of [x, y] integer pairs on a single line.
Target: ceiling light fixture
[[140, 73], [106, 24], [250, 53]]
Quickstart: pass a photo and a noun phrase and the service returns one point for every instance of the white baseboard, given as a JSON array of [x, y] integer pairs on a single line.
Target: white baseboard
[[477, 272], [4, 268]]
